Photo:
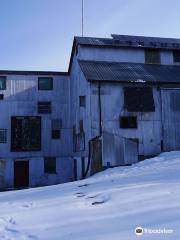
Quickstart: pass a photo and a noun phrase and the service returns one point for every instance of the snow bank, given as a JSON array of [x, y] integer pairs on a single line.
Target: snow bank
[[107, 206]]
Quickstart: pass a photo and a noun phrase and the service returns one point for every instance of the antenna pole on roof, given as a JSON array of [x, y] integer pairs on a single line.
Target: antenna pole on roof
[[82, 18]]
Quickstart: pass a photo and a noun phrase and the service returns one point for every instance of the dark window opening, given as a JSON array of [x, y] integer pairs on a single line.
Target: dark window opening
[[1, 96], [152, 56], [81, 126], [139, 99], [176, 56], [83, 166], [50, 165], [3, 135], [45, 83], [56, 134], [82, 101], [2, 83], [56, 125], [128, 122], [25, 134], [44, 107]]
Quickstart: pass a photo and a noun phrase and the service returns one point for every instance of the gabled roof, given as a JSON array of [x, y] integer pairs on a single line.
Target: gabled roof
[[130, 41], [129, 72], [39, 73]]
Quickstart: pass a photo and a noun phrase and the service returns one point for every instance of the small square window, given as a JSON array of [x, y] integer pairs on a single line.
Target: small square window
[[152, 56], [176, 56], [44, 107], [50, 165], [82, 101], [1, 96], [56, 134], [3, 135], [128, 122], [2, 83], [45, 83]]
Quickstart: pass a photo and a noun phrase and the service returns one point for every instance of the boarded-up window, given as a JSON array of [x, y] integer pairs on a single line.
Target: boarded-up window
[[2, 83], [50, 165], [45, 83], [176, 56], [25, 134], [56, 125], [3, 135], [128, 122], [152, 56], [82, 101], [139, 99], [44, 107]]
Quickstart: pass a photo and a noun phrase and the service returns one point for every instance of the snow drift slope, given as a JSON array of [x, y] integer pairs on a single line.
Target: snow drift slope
[[107, 206]]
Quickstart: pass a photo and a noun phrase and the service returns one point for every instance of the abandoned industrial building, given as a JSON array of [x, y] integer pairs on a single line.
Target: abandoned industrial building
[[119, 103]]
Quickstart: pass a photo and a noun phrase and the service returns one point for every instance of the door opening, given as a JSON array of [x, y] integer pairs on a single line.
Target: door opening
[[21, 174]]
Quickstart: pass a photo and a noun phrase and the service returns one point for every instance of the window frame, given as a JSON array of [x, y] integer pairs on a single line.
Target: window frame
[[3, 132], [46, 169], [82, 101], [124, 125], [5, 80], [148, 51], [176, 57], [49, 111], [45, 89]]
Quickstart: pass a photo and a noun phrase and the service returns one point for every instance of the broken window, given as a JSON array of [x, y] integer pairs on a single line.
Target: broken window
[[2, 83], [44, 107], [128, 122], [3, 135], [56, 125], [25, 134], [176, 56], [139, 99], [82, 101], [152, 56], [50, 165], [45, 83]]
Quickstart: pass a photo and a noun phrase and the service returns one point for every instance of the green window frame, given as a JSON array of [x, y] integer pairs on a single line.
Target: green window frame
[[2, 83], [45, 83]]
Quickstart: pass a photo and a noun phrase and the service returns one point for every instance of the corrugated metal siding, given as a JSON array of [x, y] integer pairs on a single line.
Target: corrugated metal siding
[[130, 72]]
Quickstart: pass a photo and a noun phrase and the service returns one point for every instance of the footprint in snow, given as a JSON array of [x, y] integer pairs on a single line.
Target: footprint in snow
[[79, 195], [84, 185]]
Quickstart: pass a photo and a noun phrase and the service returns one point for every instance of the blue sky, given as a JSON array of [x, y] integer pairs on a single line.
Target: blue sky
[[38, 34]]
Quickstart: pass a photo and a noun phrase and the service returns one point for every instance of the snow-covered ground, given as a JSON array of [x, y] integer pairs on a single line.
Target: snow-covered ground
[[107, 206]]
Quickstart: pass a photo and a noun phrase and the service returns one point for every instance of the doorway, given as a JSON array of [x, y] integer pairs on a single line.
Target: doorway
[[21, 174]]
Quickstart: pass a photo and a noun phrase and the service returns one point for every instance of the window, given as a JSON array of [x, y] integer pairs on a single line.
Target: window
[[139, 99], [2, 83], [82, 166], [44, 107], [82, 101], [3, 135], [81, 126], [25, 134], [1, 96], [50, 165], [45, 83], [176, 56], [128, 122], [152, 56], [56, 125]]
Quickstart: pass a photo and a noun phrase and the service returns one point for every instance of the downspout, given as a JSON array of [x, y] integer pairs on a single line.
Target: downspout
[[100, 130]]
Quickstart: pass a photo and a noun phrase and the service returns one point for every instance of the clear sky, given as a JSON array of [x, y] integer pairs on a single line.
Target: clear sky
[[38, 34]]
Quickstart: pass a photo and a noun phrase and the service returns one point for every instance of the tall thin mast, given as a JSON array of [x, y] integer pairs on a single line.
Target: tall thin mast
[[82, 18]]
